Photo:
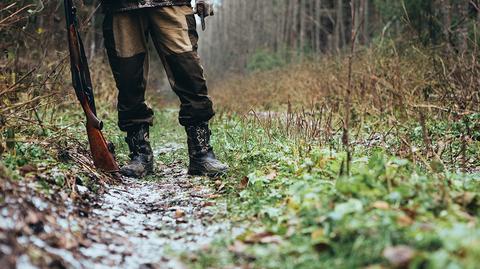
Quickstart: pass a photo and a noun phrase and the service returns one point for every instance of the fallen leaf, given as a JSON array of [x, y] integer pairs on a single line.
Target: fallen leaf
[[404, 220], [274, 239], [179, 214], [272, 175], [399, 256], [32, 217], [67, 242], [26, 169], [221, 186], [207, 204], [263, 237], [381, 205], [411, 212], [244, 182]]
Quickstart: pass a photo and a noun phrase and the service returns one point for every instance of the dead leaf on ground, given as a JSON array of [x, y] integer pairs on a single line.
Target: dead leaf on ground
[[179, 214], [64, 241], [381, 205], [411, 212], [213, 196], [244, 182], [263, 238], [208, 203], [404, 220], [220, 185], [399, 256], [272, 175], [26, 169], [274, 239], [32, 217]]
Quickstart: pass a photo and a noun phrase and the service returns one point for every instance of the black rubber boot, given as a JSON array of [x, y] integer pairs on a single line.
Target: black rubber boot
[[202, 159], [141, 154]]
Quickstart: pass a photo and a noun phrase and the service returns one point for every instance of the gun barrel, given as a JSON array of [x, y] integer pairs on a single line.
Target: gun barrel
[[82, 83], [202, 19]]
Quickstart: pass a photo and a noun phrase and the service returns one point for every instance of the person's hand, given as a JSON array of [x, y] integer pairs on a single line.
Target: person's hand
[[204, 8]]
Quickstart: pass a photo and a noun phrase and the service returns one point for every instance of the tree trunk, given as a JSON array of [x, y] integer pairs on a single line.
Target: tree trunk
[[462, 32], [302, 16], [445, 10], [339, 26], [366, 20]]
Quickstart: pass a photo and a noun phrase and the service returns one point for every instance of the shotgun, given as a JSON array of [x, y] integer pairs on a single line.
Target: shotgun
[[202, 20], [82, 83]]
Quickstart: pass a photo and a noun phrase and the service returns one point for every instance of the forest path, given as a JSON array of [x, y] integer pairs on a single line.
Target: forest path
[[137, 224], [131, 223]]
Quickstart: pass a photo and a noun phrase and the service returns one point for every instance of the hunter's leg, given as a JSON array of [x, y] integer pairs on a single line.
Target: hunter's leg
[[175, 37], [125, 41], [126, 44]]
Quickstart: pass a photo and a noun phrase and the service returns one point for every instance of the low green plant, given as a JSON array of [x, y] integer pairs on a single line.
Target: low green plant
[[297, 210]]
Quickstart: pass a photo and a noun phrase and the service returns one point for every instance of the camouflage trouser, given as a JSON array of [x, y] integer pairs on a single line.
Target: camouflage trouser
[[173, 32]]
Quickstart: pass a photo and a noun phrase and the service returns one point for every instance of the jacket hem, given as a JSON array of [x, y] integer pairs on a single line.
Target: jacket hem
[[107, 9]]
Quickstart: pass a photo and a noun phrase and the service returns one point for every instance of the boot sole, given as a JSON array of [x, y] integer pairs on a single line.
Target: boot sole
[[193, 172], [147, 172]]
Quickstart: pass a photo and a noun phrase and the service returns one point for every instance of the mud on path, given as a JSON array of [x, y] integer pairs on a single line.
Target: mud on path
[[134, 224]]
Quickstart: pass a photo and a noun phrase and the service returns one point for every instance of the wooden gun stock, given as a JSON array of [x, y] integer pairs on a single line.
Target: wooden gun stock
[[102, 157]]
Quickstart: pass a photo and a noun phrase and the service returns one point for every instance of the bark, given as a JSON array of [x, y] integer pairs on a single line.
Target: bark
[[339, 26], [445, 11], [462, 31]]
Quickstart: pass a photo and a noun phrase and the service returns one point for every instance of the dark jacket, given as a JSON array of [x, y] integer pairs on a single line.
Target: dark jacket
[[124, 5]]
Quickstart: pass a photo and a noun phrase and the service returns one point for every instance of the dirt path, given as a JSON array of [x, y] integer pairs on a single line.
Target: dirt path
[[135, 224]]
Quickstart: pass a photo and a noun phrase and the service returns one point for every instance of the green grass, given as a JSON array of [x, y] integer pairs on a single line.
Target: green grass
[[318, 218]]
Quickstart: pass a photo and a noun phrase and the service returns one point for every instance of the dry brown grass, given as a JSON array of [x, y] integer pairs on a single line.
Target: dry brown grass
[[391, 94], [381, 84]]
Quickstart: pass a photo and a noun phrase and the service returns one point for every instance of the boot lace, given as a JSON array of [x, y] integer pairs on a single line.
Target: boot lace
[[202, 138], [138, 143]]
